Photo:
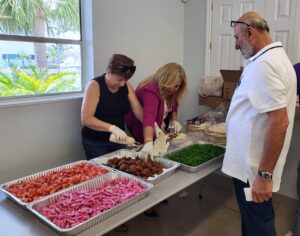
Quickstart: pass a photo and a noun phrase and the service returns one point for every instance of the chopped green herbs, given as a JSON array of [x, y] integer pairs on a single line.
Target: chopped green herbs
[[196, 154]]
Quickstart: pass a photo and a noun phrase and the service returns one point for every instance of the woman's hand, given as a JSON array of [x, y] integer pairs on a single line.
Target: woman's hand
[[147, 151], [158, 131], [120, 134], [175, 125]]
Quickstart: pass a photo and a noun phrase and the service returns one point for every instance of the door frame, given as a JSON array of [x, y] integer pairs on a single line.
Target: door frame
[[209, 8]]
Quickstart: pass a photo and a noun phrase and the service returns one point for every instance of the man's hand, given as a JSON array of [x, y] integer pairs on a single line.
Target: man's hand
[[261, 190]]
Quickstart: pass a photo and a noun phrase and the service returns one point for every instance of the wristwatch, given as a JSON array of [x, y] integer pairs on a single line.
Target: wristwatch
[[265, 175]]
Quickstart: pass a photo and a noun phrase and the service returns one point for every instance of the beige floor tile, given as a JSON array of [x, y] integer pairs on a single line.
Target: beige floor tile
[[181, 210], [215, 221], [230, 203], [280, 200], [141, 225], [182, 233], [284, 220], [214, 195]]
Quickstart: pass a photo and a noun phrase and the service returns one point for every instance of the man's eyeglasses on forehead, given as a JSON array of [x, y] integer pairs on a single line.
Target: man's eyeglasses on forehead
[[234, 22]]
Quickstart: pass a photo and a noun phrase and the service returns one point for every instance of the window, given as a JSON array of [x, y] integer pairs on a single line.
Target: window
[[40, 47]]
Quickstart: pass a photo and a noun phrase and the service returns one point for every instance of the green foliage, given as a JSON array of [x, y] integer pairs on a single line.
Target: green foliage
[[35, 81], [63, 14]]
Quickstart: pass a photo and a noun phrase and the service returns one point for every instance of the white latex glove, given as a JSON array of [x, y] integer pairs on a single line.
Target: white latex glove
[[158, 131], [160, 145], [120, 134], [146, 151], [175, 125], [113, 138]]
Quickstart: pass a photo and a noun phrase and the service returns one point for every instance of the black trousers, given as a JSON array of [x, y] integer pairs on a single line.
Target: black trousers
[[257, 218], [296, 231]]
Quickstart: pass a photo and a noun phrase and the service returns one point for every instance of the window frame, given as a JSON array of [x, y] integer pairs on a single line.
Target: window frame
[[85, 9]]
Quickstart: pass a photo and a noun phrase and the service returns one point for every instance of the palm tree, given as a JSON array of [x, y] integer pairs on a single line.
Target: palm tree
[[38, 18], [35, 81]]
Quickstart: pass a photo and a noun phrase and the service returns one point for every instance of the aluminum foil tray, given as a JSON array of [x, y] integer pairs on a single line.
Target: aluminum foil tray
[[92, 184], [17, 200], [194, 169], [169, 166]]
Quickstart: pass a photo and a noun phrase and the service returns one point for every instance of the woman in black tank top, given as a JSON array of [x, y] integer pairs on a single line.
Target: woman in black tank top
[[107, 99]]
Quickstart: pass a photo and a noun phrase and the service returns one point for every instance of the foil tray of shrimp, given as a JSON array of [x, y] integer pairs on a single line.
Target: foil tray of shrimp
[[80, 207], [30, 188]]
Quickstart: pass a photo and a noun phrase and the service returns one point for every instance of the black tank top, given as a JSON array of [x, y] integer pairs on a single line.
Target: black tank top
[[111, 108]]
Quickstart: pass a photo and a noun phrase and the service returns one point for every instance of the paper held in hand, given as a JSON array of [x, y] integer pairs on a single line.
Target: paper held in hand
[[129, 141], [248, 194]]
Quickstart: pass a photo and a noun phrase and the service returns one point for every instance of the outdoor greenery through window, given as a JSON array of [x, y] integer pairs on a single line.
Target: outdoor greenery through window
[[40, 47]]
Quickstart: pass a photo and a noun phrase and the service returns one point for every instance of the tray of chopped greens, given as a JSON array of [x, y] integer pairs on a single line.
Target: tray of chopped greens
[[197, 156]]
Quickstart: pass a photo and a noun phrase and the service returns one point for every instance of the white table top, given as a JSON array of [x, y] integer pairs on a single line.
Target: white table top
[[15, 221]]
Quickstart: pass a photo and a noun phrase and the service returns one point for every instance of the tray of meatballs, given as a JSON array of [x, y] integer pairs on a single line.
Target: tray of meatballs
[[128, 161]]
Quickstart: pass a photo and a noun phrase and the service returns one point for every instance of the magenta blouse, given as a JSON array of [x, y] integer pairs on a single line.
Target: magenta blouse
[[153, 105]]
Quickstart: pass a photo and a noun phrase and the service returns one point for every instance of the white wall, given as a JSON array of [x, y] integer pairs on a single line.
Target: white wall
[[153, 33], [194, 56], [150, 32], [38, 137]]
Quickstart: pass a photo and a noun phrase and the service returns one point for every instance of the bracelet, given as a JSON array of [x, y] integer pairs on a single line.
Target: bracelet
[[148, 139]]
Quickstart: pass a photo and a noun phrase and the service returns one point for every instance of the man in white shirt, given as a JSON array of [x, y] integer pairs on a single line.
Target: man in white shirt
[[259, 123]]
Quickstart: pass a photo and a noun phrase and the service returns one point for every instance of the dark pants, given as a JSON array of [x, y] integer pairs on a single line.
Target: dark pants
[[257, 218], [94, 148], [296, 231]]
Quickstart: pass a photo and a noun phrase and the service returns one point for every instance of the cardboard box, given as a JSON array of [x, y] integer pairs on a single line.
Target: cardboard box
[[214, 102], [231, 78]]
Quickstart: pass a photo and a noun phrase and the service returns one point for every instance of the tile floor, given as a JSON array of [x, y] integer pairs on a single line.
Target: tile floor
[[216, 213]]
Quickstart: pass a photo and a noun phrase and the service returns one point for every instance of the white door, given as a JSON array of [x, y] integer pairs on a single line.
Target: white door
[[223, 54], [280, 15]]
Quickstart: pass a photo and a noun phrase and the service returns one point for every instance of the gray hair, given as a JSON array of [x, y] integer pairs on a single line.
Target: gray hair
[[258, 23]]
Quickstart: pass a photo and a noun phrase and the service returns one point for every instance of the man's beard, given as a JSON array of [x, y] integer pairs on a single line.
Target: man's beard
[[247, 51]]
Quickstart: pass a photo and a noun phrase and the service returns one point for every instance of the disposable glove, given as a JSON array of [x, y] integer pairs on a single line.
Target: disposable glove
[[130, 140], [175, 126], [147, 151], [160, 145], [120, 134], [158, 131]]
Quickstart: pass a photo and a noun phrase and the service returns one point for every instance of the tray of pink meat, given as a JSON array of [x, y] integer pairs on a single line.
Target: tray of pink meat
[[82, 206], [33, 187]]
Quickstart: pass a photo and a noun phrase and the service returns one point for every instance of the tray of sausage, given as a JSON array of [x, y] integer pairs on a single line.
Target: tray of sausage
[[128, 161], [30, 188], [80, 207]]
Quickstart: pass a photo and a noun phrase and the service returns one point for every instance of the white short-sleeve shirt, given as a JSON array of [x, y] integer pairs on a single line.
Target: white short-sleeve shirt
[[268, 83]]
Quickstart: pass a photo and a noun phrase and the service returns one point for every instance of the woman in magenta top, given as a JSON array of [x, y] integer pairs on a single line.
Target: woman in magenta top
[[159, 95]]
